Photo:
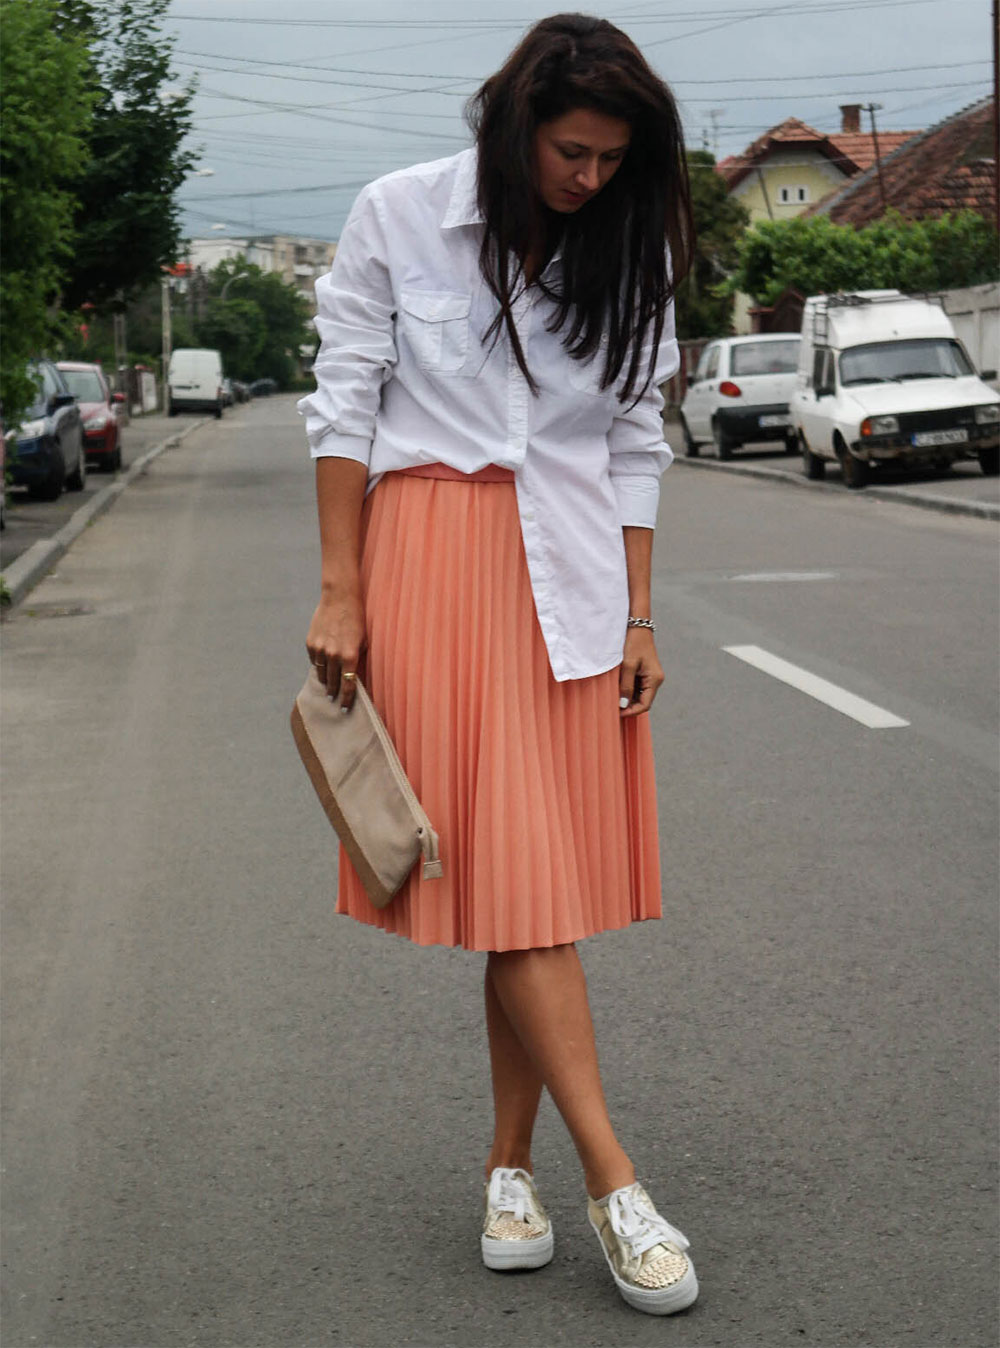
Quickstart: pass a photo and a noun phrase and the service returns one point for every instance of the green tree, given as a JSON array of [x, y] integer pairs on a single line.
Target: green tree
[[46, 109], [260, 324], [720, 220], [815, 256], [127, 220]]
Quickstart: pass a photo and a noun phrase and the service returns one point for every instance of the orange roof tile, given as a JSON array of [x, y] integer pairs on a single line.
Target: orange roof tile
[[859, 145], [950, 167]]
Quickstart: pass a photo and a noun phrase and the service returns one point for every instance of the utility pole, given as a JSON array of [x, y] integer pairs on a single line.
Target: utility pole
[[166, 336], [872, 108], [996, 115]]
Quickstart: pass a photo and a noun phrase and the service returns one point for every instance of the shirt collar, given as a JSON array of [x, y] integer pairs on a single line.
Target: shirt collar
[[463, 207]]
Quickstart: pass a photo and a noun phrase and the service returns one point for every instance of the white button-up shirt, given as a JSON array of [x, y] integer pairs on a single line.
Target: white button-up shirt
[[404, 378]]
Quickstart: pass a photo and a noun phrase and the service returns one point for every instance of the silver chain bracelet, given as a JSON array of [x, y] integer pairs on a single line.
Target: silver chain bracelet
[[642, 622]]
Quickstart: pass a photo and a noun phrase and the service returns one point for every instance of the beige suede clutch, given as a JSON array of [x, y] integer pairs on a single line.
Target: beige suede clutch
[[361, 785]]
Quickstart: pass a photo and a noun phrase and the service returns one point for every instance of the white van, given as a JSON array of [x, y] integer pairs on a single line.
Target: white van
[[194, 381], [882, 377]]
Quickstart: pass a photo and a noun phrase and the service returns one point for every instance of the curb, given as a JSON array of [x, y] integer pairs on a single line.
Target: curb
[[984, 510], [36, 562]]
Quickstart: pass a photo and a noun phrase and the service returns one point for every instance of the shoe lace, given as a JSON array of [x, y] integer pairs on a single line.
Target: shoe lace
[[509, 1192], [637, 1221]]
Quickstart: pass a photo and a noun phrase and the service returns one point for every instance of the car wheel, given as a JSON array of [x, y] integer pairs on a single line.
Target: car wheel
[[855, 471], [690, 444], [791, 444], [989, 461], [77, 479], [115, 459], [218, 412], [812, 465], [51, 489], [724, 446]]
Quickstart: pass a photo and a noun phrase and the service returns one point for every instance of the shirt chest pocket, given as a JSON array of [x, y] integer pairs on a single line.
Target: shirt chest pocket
[[436, 326]]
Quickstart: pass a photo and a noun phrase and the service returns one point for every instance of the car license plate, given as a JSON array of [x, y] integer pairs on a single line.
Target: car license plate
[[774, 421], [940, 438]]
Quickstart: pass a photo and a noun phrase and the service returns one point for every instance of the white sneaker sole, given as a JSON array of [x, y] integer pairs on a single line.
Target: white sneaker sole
[[503, 1255], [659, 1301]]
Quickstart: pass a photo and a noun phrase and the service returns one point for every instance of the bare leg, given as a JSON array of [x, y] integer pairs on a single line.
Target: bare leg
[[517, 1088], [543, 994]]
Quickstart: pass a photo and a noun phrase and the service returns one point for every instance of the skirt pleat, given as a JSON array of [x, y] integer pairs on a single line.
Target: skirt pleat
[[544, 799]]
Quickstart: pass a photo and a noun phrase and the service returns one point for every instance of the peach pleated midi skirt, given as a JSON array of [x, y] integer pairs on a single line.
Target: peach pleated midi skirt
[[543, 797]]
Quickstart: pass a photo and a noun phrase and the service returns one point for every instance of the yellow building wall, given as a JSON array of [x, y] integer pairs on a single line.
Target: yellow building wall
[[816, 180]]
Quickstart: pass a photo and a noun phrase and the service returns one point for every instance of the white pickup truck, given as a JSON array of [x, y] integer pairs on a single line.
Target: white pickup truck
[[882, 377]]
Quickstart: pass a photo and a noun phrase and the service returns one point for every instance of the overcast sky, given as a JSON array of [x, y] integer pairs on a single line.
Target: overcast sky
[[301, 102]]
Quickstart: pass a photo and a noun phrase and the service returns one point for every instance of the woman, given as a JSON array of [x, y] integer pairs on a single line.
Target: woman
[[488, 436]]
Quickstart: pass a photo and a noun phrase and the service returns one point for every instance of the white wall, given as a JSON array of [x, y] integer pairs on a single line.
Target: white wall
[[975, 312]]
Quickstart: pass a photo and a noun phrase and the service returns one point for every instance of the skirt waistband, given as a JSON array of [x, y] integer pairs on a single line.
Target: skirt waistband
[[491, 473]]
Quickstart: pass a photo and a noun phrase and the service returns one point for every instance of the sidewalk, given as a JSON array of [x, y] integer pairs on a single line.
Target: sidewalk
[[39, 532], [963, 490], [29, 520]]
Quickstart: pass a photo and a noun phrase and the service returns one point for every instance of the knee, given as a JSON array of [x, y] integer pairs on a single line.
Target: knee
[[538, 957]]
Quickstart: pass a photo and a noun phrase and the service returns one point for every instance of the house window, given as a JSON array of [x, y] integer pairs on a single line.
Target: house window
[[790, 195]]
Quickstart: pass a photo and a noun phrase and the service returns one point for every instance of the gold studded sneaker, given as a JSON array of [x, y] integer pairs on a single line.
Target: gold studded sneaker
[[646, 1255], [516, 1231]]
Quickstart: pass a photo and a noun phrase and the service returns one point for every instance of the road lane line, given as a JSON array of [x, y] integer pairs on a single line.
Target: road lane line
[[876, 718]]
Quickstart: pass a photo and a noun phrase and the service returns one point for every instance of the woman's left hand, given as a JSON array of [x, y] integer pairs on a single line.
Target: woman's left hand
[[641, 672]]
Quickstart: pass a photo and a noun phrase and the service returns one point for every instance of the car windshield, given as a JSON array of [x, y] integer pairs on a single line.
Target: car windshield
[[887, 362], [85, 385], [765, 357], [37, 408]]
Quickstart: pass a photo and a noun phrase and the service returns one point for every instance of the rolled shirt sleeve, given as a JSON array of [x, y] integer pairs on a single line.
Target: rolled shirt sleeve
[[355, 322], [639, 454]]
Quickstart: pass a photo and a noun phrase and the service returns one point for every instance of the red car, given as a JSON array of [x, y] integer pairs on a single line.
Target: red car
[[98, 410]]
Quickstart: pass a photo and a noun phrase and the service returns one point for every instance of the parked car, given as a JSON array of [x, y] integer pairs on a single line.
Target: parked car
[[228, 396], [100, 410], [241, 391], [739, 393], [263, 388], [3, 476], [47, 453], [194, 381], [883, 378]]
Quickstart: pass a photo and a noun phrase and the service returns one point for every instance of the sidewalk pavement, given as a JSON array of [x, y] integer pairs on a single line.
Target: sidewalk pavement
[[39, 532], [963, 490]]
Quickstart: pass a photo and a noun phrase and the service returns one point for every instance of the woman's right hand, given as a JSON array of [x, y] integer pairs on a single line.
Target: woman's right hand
[[335, 642]]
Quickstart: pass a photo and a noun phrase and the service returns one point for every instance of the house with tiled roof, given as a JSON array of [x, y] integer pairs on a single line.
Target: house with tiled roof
[[792, 166], [950, 167]]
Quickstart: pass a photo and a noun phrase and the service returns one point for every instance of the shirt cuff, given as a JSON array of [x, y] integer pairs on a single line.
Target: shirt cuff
[[638, 499], [333, 445]]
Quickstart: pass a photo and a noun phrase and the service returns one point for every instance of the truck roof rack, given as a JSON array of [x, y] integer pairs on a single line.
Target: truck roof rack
[[851, 299]]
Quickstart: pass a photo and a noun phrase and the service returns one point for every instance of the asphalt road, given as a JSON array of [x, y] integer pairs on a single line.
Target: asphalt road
[[232, 1119]]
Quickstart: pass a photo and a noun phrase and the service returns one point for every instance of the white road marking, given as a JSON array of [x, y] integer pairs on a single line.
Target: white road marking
[[876, 718], [787, 575]]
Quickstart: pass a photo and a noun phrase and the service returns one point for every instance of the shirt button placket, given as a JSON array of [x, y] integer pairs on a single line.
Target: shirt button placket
[[517, 388]]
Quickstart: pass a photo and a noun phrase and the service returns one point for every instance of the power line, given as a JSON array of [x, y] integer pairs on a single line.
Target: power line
[[478, 79], [473, 25]]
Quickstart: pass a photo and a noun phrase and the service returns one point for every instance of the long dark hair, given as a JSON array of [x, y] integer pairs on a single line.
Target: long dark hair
[[616, 279]]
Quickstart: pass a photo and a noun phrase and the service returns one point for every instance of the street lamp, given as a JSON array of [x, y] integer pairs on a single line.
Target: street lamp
[[240, 275]]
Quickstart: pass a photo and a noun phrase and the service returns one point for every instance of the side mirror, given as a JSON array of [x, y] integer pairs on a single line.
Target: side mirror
[[61, 400], [987, 374], [118, 398]]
